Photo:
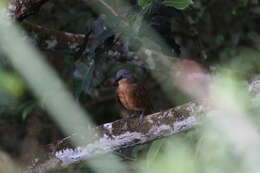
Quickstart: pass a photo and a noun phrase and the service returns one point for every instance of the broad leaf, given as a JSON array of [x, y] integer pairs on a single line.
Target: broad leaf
[[179, 4], [144, 3]]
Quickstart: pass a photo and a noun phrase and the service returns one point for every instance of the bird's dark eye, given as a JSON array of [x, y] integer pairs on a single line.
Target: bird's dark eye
[[118, 78]]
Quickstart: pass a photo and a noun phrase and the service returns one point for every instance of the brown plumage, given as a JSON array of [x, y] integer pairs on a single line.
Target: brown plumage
[[131, 94]]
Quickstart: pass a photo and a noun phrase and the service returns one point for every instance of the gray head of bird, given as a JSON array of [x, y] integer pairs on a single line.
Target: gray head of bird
[[124, 74]]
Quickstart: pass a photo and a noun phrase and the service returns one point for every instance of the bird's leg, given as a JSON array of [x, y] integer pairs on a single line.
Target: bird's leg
[[125, 122], [141, 118], [125, 118], [132, 114]]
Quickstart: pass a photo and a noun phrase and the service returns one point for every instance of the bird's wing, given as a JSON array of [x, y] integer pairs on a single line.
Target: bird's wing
[[142, 94], [144, 97]]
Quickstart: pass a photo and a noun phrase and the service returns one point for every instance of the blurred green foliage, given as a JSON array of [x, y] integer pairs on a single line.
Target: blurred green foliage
[[3, 3], [11, 83], [176, 157], [179, 4]]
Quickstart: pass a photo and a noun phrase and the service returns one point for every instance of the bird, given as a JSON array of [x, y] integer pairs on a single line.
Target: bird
[[131, 94]]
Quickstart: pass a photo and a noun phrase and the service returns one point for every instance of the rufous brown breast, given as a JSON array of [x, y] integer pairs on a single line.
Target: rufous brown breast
[[132, 95]]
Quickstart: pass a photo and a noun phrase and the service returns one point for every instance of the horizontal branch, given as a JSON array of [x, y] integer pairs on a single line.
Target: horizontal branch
[[126, 133], [122, 134]]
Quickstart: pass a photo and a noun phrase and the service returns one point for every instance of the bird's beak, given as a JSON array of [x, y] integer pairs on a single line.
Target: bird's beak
[[118, 78]]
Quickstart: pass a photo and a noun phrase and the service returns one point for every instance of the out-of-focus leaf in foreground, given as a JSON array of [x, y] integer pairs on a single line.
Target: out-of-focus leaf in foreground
[[11, 84], [177, 158], [154, 152], [3, 3]]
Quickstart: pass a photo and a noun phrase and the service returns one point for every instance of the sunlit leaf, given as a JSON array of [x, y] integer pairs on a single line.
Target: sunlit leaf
[[144, 3], [11, 83], [179, 4], [3, 3]]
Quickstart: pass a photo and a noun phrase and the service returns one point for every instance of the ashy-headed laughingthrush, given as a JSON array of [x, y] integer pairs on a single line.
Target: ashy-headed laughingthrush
[[131, 94]]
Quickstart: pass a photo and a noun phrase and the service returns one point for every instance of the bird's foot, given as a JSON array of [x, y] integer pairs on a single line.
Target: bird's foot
[[124, 127], [141, 119]]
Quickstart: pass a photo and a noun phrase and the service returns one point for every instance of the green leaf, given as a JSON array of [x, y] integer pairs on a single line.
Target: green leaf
[[3, 4], [179, 4], [256, 10], [144, 3], [11, 83], [27, 110], [242, 3], [153, 152]]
